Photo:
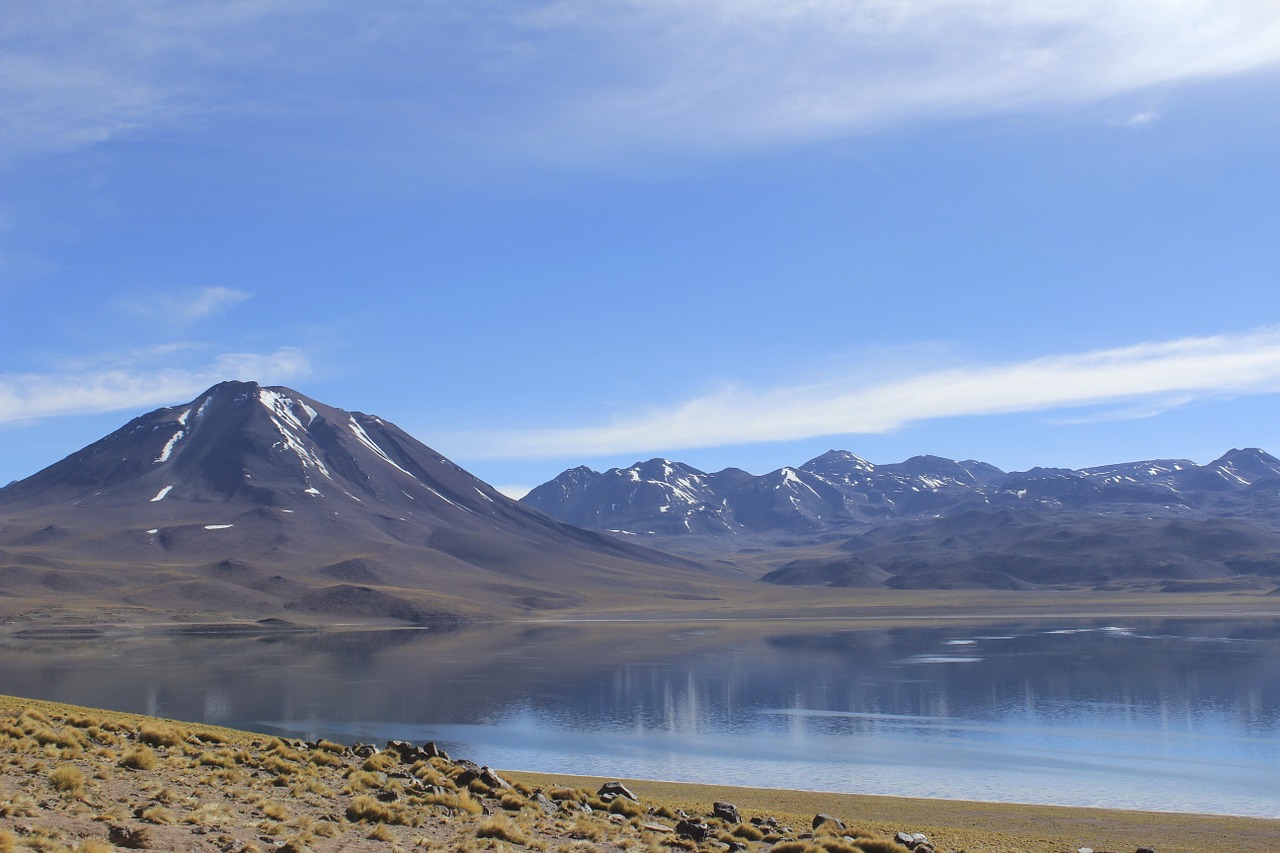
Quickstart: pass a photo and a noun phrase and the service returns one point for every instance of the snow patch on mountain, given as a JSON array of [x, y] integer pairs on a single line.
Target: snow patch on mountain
[[368, 442], [167, 450]]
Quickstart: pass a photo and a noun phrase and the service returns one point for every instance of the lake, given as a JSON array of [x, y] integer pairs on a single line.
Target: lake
[[1177, 715]]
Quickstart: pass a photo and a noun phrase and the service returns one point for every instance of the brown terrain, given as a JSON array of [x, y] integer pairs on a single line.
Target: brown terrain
[[76, 780]]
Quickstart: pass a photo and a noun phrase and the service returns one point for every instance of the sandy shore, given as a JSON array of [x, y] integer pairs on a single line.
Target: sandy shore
[[78, 780]]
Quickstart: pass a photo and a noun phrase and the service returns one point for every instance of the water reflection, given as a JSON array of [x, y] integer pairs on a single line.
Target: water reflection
[[1173, 714]]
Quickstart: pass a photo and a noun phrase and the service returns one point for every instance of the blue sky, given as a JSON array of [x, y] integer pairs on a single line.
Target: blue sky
[[544, 234]]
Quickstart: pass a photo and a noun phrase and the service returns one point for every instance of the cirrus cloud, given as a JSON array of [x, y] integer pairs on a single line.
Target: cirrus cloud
[[136, 380], [1182, 370], [563, 77]]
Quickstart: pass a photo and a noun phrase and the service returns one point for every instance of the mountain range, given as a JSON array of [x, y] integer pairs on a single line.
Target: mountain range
[[253, 503], [839, 490], [264, 502], [934, 523]]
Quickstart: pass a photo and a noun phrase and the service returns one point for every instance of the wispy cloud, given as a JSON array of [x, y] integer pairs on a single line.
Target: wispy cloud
[[135, 380], [571, 75], [1142, 119], [187, 306], [1191, 368]]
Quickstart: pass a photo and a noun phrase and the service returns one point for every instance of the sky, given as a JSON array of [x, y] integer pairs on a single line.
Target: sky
[[551, 233]]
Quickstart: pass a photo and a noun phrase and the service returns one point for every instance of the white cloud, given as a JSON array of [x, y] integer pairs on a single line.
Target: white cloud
[[135, 380], [184, 307], [582, 75], [1142, 119], [1190, 368]]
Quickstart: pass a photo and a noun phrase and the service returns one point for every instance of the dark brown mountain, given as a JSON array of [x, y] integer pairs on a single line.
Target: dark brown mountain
[[932, 523], [262, 502]]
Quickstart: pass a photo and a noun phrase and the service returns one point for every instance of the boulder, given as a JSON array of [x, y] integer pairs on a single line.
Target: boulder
[[820, 819], [694, 831], [548, 806], [609, 790], [493, 780], [726, 812]]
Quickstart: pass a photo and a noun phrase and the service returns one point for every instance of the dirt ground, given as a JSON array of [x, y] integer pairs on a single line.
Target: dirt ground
[[77, 780]]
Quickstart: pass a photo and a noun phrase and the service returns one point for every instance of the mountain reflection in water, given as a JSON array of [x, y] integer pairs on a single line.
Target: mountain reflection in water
[[1172, 714]]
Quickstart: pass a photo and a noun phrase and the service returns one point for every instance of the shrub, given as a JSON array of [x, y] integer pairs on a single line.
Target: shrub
[[455, 802], [380, 762], [93, 845], [789, 847], [512, 802], [276, 811], [879, 845], [625, 807], [68, 779], [503, 830], [279, 765], [159, 734], [156, 814], [216, 759], [324, 758], [366, 809]]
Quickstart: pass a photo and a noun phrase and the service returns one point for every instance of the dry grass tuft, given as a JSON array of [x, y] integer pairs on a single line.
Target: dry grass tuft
[[216, 759], [877, 845], [380, 832], [8, 842], [366, 809], [502, 829], [68, 779], [159, 734], [276, 811], [625, 807], [94, 845], [459, 802]]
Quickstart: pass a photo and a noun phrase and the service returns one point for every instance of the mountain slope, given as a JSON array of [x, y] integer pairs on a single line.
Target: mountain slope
[[261, 501]]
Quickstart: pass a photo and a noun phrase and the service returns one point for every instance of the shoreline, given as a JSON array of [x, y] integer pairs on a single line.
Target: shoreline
[[952, 824]]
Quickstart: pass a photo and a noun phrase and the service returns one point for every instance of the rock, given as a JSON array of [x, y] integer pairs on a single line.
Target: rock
[[363, 750], [914, 841], [1084, 850], [130, 838], [693, 831], [820, 819], [658, 827], [548, 806], [433, 751], [1145, 850], [726, 812], [408, 752], [493, 780], [470, 772], [616, 789]]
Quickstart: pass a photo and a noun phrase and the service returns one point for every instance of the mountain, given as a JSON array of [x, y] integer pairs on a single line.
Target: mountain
[[932, 523], [259, 501], [839, 490]]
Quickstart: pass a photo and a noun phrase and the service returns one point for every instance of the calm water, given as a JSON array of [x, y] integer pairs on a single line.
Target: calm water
[[1172, 715]]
